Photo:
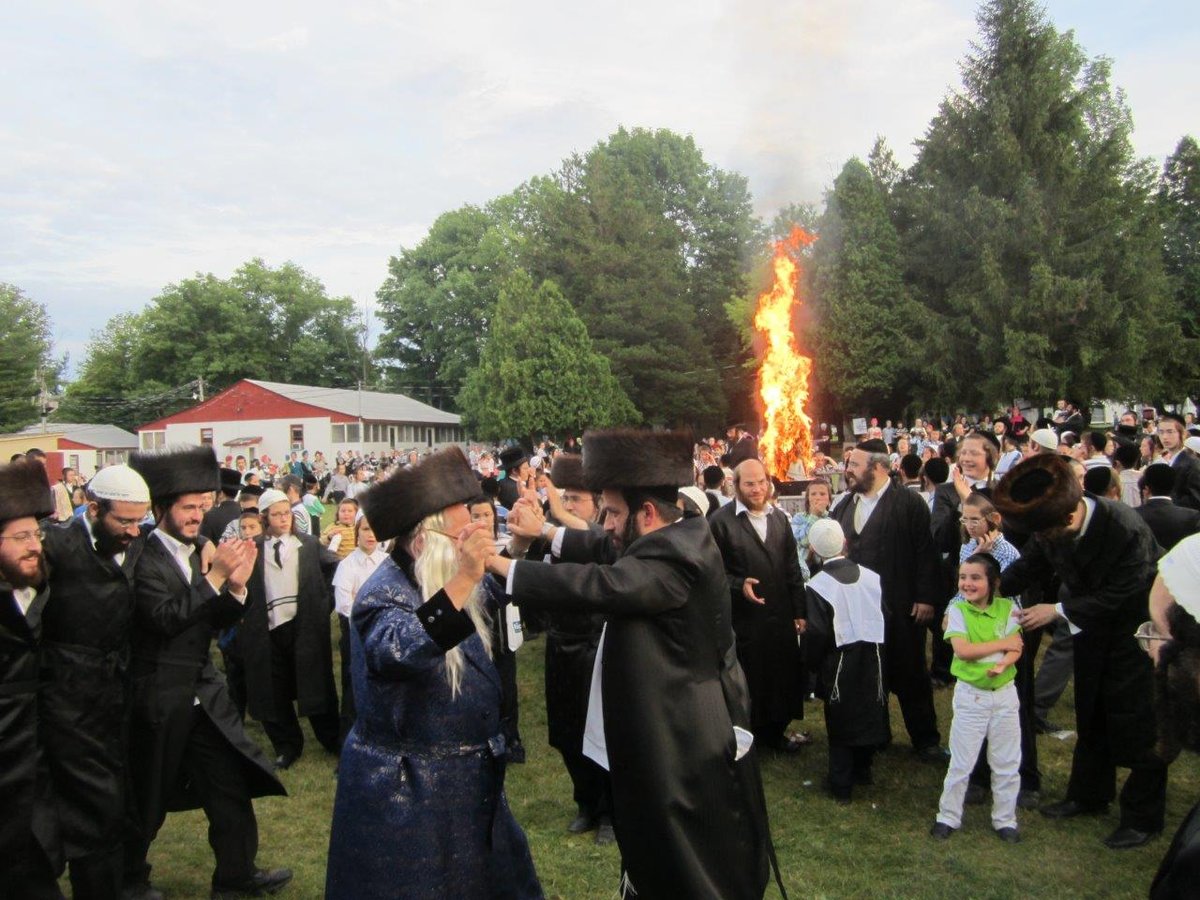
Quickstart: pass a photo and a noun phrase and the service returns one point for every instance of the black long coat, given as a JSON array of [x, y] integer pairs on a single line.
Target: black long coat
[[85, 698], [1108, 573], [315, 691], [856, 713], [215, 520], [1187, 480], [1169, 522], [174, 624], [766, 634], [26, 798], [897, 544], [690, 821]]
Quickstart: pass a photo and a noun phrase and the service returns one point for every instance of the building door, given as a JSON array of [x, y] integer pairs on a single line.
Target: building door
[[392, 436], [429, 437]]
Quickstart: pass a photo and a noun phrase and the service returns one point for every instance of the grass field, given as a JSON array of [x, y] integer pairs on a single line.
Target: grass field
[[877, 847]]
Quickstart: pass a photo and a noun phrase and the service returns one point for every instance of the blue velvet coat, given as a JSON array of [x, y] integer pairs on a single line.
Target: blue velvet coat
[[420, 809]]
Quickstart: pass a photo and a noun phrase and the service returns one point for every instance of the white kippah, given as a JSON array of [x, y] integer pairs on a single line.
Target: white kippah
[[270, 497], [1046, 438], [1180, 572], [119, 483], [1193, 444], [826, 538]]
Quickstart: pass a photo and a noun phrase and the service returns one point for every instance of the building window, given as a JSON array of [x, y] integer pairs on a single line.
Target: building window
[[206, 437], [352, 433], [297, 437], [339, 434], [152, 440]]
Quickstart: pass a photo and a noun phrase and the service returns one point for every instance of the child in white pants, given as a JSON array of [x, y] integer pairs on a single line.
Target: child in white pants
[[985, 634]]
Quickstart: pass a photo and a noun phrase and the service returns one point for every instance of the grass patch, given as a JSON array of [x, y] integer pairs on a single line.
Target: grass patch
[[877, 847]]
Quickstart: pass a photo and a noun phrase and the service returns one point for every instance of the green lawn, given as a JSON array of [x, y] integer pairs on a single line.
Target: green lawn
[[877, 847]]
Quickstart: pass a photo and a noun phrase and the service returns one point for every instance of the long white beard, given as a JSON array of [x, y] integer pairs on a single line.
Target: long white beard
[[433, 567]]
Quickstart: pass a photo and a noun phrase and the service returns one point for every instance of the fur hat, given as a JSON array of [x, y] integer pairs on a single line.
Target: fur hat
[[24, 491], [635, 458], [396, 506], [511, 459], [231, 480], [177, 470], [1038, 493], [567, 472]]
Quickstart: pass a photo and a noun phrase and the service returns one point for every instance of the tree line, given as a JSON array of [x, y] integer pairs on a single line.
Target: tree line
[[1026, 253]]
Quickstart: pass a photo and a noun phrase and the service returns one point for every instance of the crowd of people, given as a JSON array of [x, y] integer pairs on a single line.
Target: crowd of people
[[687, 621]]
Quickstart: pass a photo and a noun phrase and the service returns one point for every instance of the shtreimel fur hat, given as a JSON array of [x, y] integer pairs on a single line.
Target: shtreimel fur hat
[[633, 458], [398, 505], [177, 470], [567, 472], [24, 492], [1039, 493]]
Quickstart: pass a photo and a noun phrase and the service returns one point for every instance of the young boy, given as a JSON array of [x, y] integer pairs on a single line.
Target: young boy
[[985, 633], [844, 644]]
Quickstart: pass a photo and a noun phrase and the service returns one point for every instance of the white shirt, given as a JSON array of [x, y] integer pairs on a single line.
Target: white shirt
[[24, 597], [865, 505], [282, 584], [352, 573], [180, 552], [758, 521]]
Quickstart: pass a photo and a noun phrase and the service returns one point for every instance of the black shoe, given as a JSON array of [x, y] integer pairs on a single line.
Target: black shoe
[[976, 794], [933, 754], [1069, 809], [515, 753], [940, 831], [1009, 835], [1127, 838], [285, 761], [143, 890], [1029, 799], [605, 834], [1045, 726], [260, 884], [583, 822]]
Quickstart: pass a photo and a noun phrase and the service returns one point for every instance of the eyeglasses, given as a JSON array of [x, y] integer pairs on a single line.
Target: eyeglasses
[[1146, 633], [25, 537]]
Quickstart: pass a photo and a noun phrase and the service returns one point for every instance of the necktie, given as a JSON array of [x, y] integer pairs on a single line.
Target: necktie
[[279, 554]]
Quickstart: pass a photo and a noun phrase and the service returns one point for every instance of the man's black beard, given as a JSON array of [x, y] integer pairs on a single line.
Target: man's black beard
[[630, 533], [18, 580], [863, 485], [109, 545]]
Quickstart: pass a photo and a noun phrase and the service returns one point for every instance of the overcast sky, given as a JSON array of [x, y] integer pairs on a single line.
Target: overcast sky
[[141, 142]]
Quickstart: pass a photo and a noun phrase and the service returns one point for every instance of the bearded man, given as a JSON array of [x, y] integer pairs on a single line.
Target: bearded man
[[420, 810], [187, 746], [30, 851], [766, 590], [667, 690], [86, 646]]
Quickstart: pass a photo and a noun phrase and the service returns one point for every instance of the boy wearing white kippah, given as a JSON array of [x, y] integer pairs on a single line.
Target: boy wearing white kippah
[[844, 645]]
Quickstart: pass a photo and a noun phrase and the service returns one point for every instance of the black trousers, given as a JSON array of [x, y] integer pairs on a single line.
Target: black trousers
[[847, 765], [1093, 780], [28, 874], [284, 730], [98, 875], [908, 679], [591, 785], [1031, 775], [235, 677], [348, 711], [217, 774]]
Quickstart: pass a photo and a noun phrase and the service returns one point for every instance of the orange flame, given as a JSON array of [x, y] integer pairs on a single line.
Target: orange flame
[[783, 376]]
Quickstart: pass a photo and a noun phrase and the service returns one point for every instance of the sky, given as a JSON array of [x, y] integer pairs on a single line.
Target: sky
[[143, 141]]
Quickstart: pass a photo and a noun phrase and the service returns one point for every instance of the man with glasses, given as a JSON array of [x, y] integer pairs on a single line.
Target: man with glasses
[[30, 852], [86, 646]]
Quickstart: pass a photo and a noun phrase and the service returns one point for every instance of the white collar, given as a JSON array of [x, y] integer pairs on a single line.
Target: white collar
[[742, 508], [874, 498], [1089, 506], [177, 547]]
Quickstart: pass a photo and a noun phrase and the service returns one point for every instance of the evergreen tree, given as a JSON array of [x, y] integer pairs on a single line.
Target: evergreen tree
[[865, 326], [1028, 229], [1179, 200], [538, 372]]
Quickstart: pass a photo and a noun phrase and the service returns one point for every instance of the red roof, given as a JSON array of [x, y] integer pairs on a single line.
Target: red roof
[[246, 401]]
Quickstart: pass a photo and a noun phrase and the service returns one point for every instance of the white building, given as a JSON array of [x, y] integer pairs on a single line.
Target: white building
[[86, 448], [257, 418]]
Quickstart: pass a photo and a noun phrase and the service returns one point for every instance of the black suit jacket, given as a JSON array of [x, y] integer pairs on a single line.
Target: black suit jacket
[[1187, 480], [1170, 523], [215, 520]]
